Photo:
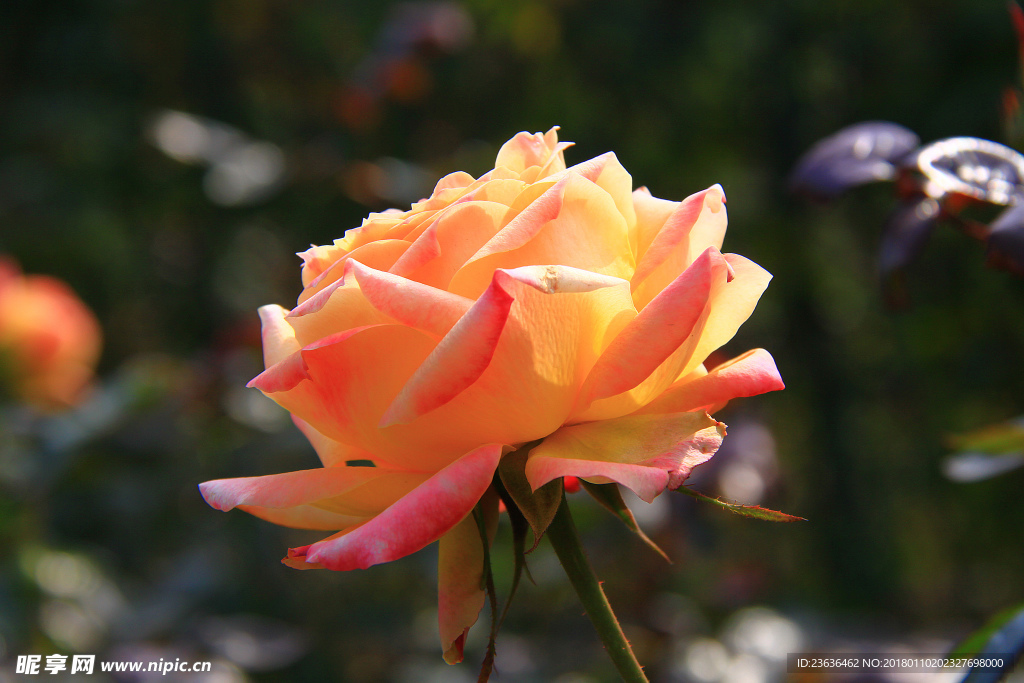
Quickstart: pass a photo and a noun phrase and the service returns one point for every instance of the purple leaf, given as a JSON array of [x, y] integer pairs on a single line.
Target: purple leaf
[[858, 154]]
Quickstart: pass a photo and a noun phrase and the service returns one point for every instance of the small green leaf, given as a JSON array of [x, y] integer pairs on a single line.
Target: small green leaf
[[609, 496], [1002, 637], [975, 642], [539, 507], [1003, 437], [755, 511]]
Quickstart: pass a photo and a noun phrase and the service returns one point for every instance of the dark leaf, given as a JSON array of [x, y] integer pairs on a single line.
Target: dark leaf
[[755, 511], [1006, 241], [862, 153], [538, 506], [519, 527], [609, 496], [906, 231]]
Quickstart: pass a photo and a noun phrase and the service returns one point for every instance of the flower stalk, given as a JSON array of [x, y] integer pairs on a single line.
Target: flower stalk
[[566, 542]]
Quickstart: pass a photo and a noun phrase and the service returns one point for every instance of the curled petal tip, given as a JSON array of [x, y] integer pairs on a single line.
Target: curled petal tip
[[454, 654], [208, 490], [714, 200]]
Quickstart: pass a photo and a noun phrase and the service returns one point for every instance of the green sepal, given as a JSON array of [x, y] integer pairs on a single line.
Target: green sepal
[[539, 507], [488, 579], [610, 497], [755, 511]]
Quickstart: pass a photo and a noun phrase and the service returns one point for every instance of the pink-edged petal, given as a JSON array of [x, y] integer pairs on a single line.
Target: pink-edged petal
[[296, 557], [460, 593], [317, 259], [526, 150], [749, 374], [331, 453], [656, 332], [525, 225], [339, 306], [645, 453], [515, 367], [459, 179], [651, 214], [416, 520], [287, 489], [411, 303], [698, 222], [572, 223], [607, 172], [353, 377], [284, 375], [380, 255], [278, 336], [443, 248], [556, 328], [729, 306], [731, 300], [457, 362]]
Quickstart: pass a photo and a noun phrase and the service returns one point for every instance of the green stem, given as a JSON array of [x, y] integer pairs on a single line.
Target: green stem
[[566, 542]]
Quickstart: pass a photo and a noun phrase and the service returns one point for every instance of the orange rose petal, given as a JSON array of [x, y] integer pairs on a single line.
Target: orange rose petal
[[375, 227], [645, 453], [749, 374], [560, 321], [449, 242], [284, 375], [685, 234], [651, 214], [340, 306], [730, 306], [526, 224], [453, 180], [287, 489], [354, 376], [574, 223], [411, 303], [500, 191], [417, 519], [460, 593], [380, 255], [296, 557], [731, 300], [278, 336], [331, 453], [553, 335], [303, 517], [656, 332], [526, 150], [317, 259], [607, 173], [457, 362]]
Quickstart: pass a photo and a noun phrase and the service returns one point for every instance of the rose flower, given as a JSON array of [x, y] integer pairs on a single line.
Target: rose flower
[[49, 339], [536, 303]]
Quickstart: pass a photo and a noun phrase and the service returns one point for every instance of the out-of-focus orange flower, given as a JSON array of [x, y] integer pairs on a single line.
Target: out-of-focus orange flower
[[535, 303], [49, 340]]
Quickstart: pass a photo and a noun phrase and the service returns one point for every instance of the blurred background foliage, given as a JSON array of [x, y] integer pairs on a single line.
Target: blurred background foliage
[[167, 159]]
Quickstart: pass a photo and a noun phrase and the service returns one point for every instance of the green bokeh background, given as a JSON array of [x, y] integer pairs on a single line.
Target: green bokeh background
[[686, 94]]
